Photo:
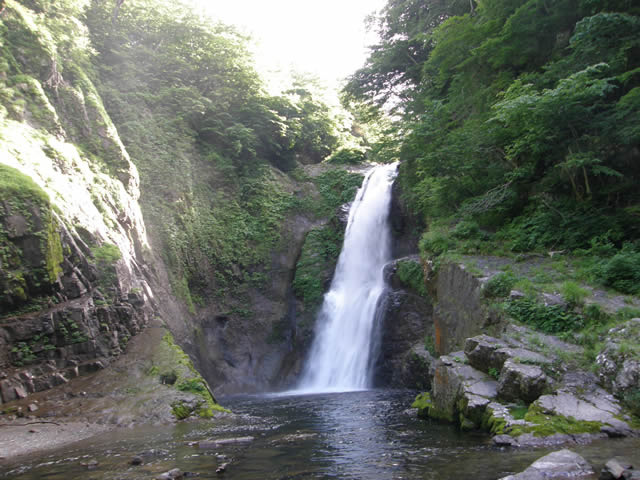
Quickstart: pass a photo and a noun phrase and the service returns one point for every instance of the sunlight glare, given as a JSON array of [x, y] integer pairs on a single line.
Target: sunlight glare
[[327, 39]]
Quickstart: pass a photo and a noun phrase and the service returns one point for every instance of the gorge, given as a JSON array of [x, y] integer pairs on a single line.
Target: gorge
[[438, 278]]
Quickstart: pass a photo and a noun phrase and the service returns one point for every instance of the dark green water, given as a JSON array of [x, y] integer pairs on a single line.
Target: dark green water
[[358, 435]]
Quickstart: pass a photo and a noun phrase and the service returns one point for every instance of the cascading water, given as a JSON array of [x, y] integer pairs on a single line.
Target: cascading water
[[341, 353]]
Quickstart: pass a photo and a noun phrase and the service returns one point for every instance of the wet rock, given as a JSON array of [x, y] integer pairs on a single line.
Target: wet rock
[[222, 468], [504, 441], [521, 382], [616, 468], [556, 465], [173, 474]]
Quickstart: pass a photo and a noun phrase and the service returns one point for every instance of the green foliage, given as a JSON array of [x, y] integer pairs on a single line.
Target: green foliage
[[209, 143], [500, 285], [317, 261], [622, 271], [411, 275], [549, 319], [193, 385], [336, 187], [434, 242], [573, 294], [347, 156], [632, 401], [519, 117], [494, 372]]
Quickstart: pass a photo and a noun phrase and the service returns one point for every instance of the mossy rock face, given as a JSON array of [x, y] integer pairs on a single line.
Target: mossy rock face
[[173, 367], [30, 246]]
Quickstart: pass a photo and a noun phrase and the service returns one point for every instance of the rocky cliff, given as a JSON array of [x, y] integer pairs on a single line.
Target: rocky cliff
[[114, 219]]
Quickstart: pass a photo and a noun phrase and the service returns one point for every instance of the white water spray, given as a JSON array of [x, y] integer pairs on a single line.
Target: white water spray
[[341, 354]]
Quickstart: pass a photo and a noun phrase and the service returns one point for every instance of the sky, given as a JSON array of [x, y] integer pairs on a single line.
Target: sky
[[324, 37]]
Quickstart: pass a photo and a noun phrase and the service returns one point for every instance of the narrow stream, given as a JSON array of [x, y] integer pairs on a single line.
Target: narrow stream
[[355, 435]]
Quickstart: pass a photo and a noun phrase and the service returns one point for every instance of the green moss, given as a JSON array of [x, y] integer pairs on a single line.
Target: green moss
[[193, 385], [543, 425], [422, 402], [184, 377], [106, 256], [518, 412], [181, 410], [26, 279], [492, 424], [15, 186], [319, 255], [54, 256], [426, 408]]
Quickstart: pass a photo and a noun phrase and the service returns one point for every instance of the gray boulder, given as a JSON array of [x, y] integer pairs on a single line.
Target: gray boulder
[[480, 350], [616, 468], [556, 465], [485, 352], [521, 382], [595, 406]]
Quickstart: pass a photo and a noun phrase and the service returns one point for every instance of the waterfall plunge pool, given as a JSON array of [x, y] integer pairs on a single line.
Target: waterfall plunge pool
[[354, 435]]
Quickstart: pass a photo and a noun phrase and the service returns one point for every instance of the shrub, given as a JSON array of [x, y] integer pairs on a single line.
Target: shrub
[[500, 285], [466, 229], [622, 271], [434, 242]]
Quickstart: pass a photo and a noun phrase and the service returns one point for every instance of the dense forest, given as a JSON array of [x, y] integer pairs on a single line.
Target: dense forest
[[517, 123]]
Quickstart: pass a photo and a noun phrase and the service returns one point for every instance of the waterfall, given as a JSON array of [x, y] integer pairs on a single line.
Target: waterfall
[[341, 355]]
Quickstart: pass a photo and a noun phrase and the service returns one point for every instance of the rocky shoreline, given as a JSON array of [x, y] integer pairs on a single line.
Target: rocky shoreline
[[568, 464]]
